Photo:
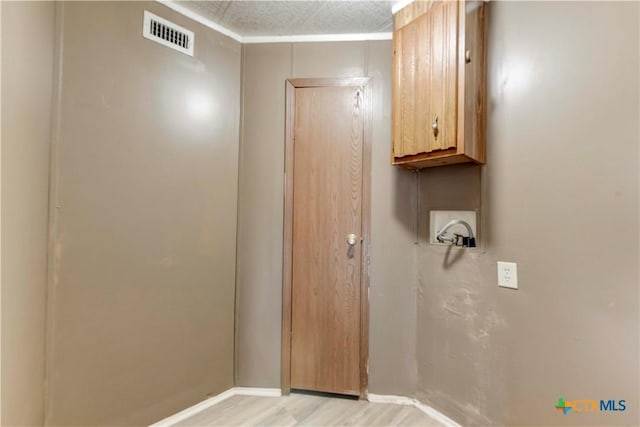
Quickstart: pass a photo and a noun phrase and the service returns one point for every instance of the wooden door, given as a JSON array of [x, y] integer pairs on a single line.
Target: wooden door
[[425, 82], [326, 331]]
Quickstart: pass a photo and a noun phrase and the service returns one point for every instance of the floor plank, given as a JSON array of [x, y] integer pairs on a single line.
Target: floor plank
[[307, 410]]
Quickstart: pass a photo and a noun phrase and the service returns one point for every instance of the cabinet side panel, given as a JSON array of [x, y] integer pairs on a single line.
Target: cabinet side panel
[[475, 81], [396, 96]]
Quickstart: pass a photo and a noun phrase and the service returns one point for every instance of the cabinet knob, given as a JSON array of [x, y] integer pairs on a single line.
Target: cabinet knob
[[434, 125], [352, 239]]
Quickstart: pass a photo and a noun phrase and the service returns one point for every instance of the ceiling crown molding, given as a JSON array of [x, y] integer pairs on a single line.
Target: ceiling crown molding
[[200, 19], [272, 39], [318, 38]]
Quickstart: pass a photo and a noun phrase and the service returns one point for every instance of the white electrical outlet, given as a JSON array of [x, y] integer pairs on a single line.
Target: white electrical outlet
[[508, 274]]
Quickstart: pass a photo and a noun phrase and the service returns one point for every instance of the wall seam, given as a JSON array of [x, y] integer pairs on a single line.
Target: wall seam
[[365, 59], [236, 319], [416, 274], [1, 287], [54, 162], [291, 56]]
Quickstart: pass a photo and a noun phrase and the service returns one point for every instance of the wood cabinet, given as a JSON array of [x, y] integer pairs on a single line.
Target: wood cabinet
[[439, 84]]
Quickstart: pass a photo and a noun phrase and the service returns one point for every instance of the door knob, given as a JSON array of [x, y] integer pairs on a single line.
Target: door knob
[[352, 239]]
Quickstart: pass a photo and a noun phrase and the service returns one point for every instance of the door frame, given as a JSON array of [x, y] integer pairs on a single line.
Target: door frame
[[287, 272]]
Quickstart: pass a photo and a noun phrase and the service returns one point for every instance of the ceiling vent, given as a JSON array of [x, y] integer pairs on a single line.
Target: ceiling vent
[[167, 33]]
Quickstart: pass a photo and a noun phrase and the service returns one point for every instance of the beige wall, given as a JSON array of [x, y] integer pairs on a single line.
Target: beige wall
[[260, 220], [145, 227], [27, 81], [559, 196], [142, 296]]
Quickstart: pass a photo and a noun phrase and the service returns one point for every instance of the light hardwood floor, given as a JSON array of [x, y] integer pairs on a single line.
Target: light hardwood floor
[[307, 410]]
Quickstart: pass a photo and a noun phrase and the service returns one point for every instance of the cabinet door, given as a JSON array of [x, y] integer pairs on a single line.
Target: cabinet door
[[404, 99], [425, 82], [442, 89]]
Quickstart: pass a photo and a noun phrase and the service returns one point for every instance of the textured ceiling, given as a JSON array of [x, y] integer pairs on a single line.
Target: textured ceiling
[[285, 18]]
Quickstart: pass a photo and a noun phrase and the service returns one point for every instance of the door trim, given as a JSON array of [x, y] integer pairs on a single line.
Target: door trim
[[290, 101]]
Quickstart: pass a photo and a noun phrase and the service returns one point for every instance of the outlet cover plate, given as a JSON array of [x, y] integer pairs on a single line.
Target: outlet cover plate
[[508, 274], [438, 219]]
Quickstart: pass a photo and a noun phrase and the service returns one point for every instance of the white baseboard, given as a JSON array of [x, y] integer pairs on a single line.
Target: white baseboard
[[435, 414], [191, 411], [403, 400], [389, 398], [254, 391], [205, 404]]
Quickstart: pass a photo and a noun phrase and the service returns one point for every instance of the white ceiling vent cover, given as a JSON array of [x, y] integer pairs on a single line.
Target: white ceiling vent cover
[[167, 33]]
